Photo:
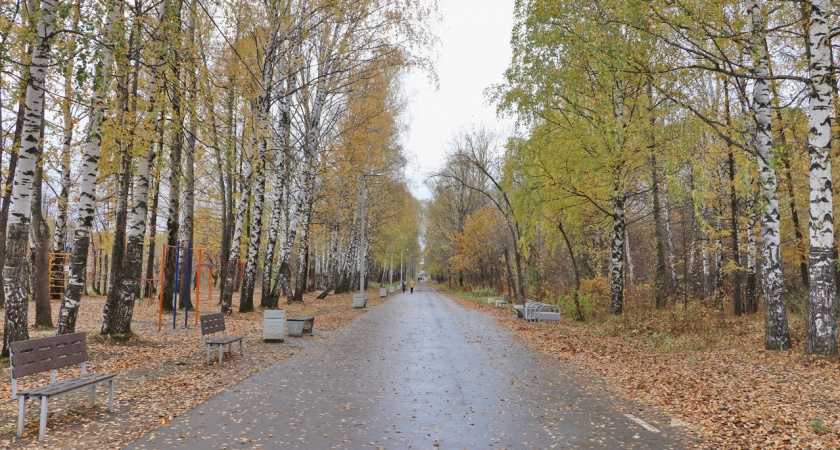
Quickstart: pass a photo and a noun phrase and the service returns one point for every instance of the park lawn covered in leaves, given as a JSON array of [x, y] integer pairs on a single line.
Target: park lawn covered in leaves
[[161, 374], [714, 376]]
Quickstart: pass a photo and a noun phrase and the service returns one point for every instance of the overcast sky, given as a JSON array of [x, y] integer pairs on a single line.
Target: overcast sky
[[473, 55]]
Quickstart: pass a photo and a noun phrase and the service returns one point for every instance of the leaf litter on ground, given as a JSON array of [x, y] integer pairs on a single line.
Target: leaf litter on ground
[[732, 392], [161, 374]]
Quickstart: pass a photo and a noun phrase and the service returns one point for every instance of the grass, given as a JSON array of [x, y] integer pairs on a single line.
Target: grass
[[478, 295]]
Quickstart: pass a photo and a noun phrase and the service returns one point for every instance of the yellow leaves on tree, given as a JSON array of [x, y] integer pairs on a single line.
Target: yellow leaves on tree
[[477, 252]]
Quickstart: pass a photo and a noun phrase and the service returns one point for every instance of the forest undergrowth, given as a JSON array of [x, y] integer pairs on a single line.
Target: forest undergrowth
[[705, 368]]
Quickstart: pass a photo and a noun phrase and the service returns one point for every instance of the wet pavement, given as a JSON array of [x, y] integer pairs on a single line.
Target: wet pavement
[[418, 372]]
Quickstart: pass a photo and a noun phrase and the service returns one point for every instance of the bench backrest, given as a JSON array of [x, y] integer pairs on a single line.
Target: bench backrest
[[212, 323], [46, 354]]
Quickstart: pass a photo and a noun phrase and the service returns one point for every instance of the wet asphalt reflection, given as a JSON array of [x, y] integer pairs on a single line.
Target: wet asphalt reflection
[[418, 372]]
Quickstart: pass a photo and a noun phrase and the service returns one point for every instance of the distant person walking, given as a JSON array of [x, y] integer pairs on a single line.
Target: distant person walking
[[411, 286], [403, 287]]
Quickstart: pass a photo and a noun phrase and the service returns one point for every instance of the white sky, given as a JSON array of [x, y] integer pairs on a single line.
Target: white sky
[[473, 55]]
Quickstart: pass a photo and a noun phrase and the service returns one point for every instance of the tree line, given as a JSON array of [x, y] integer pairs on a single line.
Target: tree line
[[247, 124], [676, 151]]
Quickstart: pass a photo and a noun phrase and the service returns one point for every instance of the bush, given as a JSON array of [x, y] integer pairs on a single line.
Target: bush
[[588, 306], [484, 291]]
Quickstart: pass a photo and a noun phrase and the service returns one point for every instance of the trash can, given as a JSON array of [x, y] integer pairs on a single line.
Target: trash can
[[359, 300], [295, 328], [274, 325], [383, 293]]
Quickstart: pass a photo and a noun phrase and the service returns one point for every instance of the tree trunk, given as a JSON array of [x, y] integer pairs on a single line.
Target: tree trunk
[[576, 291], [118, 247], [303, 250], [16, 326], [628, 260], [669, 234], [233, 259], [87, 186], [617, 255], [751, 300], [187, 231], [172, 223], [59, 244], [737, 301], [40, 256], [270, 250], [151, 273], [822, 311], [659, 248], [127, 290], [777, 334]]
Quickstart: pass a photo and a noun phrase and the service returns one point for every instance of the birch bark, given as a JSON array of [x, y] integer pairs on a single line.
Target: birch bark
[[233, 258], [822, 311], [87, 186], [777, 334], [264, 103], [617, 254], [29, 155]]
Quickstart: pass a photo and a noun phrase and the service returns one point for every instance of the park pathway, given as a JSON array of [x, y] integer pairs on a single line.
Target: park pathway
[[417, 372]]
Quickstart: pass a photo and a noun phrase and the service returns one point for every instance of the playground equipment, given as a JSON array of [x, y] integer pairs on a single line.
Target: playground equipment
[[148, 285], [188, 249], [58, 274]]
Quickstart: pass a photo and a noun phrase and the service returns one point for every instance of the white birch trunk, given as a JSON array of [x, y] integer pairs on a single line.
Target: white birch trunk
[[822, 311], [617, 256], [630, 274], [60, 235], [777, 334], [284, 275], [246, 296], [87, 185], [129, 285], [236, 242], [17, 238]]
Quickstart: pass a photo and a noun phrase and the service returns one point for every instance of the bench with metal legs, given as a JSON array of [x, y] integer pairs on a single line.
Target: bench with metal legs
[[212, 324], [49, 354]]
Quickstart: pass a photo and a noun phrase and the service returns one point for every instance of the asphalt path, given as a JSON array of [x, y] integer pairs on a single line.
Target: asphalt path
[[419, 372]]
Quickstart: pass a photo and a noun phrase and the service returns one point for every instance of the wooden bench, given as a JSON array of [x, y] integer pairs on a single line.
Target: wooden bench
[[308, 322], [49, 354], [212, 324]]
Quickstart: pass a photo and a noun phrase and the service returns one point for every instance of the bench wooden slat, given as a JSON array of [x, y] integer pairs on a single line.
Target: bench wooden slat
[[63, 386], [223, 341], [50, 353], [212, 323], [45, 355]]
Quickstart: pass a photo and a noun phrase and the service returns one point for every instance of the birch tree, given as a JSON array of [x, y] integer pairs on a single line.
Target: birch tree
[[777, 334], [822, 311], [87, 186], [17, 238]]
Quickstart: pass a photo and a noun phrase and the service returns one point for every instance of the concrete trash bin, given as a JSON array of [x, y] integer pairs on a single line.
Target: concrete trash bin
[[274, 325], [391, 290], [359, 300], [383, 293]]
